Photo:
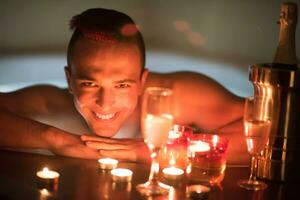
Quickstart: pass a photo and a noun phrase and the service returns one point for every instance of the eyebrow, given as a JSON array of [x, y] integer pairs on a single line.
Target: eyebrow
[[85, 78], [127, 80]]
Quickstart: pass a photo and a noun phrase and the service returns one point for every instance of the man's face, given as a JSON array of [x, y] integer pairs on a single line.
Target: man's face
[[105, 80]]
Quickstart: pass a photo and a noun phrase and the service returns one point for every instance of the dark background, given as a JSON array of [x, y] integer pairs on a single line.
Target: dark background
[[221, 38]]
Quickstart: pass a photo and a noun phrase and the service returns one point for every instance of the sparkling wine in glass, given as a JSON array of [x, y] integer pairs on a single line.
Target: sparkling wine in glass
[[257, 127], [255, 134], [156, 122]]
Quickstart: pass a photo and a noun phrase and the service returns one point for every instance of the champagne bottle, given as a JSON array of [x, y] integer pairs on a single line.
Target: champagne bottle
[[285, 57]]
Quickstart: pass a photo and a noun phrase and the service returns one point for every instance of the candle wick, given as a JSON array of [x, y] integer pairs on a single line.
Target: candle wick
[[45, 170]]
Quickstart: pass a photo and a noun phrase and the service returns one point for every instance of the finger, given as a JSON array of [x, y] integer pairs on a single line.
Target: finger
[[98, 139], [106, 146], [109, 140], [119, 154]]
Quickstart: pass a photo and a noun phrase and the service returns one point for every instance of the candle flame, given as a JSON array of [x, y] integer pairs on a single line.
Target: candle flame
[[215, 140], [172, 160], [45, 170]]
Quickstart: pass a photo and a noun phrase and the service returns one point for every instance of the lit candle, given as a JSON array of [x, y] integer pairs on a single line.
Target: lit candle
[[173, 135], [121, 175], [47, 174], [47, 179], [107, 163], [199, 146], [173, 173]]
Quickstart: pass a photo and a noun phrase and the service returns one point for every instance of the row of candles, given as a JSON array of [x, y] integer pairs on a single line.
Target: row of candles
[[202, 151], [118, 174]]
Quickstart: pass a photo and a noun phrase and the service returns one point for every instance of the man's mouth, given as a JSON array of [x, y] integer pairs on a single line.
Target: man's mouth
[[105, 116]]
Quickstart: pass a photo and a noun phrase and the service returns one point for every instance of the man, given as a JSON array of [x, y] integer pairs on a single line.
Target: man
[[106, 78]]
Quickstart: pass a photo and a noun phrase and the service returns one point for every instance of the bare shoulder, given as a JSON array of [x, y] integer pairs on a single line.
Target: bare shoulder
[[199, 99], [35, 99], [190, 83]]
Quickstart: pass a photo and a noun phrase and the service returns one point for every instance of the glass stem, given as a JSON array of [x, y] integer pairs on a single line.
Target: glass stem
[[153, 177], [253, 170]]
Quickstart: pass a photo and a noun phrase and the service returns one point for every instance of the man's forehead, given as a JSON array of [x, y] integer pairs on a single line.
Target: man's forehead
[[91, 57], [85, 48], [93, 72]]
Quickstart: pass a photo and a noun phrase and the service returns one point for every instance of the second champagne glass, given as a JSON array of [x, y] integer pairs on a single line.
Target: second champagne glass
[[156, 122], [257, 127]]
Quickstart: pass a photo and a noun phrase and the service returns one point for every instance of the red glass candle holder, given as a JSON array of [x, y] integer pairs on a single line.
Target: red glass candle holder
[[174, 153], [206, 158]]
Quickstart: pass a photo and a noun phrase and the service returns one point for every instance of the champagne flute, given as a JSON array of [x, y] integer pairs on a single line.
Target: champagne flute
[[156, 122], [257, 127]]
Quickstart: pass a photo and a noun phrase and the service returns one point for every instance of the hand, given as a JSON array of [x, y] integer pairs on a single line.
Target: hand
[[122, 149], [66, 144]]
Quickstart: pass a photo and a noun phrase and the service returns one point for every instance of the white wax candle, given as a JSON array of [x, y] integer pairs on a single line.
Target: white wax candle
[[199, 146], [173, 135], [107, 163], [121, 174], [173, 173], [47, 174]]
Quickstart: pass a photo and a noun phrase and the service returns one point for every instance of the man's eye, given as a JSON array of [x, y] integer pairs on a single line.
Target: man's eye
[[88, 84], [122, 85]]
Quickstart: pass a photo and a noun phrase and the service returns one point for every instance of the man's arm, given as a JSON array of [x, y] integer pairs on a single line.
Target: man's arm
[[18, 131]]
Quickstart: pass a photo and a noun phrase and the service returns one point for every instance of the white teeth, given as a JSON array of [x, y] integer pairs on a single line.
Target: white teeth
[[105, 117]]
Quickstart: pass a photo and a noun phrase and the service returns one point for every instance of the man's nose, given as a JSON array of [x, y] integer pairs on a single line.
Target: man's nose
[[105, 98]]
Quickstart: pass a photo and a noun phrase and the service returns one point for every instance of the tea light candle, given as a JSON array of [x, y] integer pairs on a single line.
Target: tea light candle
[[107, 163], [199, 146], [173, 135], [47, 174], [121, 175], [47, 179], [173, 173]]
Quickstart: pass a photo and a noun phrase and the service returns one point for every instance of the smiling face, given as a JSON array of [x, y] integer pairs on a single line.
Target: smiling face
[[105, 80]]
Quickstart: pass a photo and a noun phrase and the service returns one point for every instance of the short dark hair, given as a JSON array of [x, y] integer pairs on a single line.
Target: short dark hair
[[101, 24]]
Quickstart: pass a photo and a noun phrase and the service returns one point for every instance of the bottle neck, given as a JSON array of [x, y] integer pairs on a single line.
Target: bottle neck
[[286, 52]]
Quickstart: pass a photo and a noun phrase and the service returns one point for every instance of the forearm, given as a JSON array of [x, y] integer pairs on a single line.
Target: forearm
[[19, 132]]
